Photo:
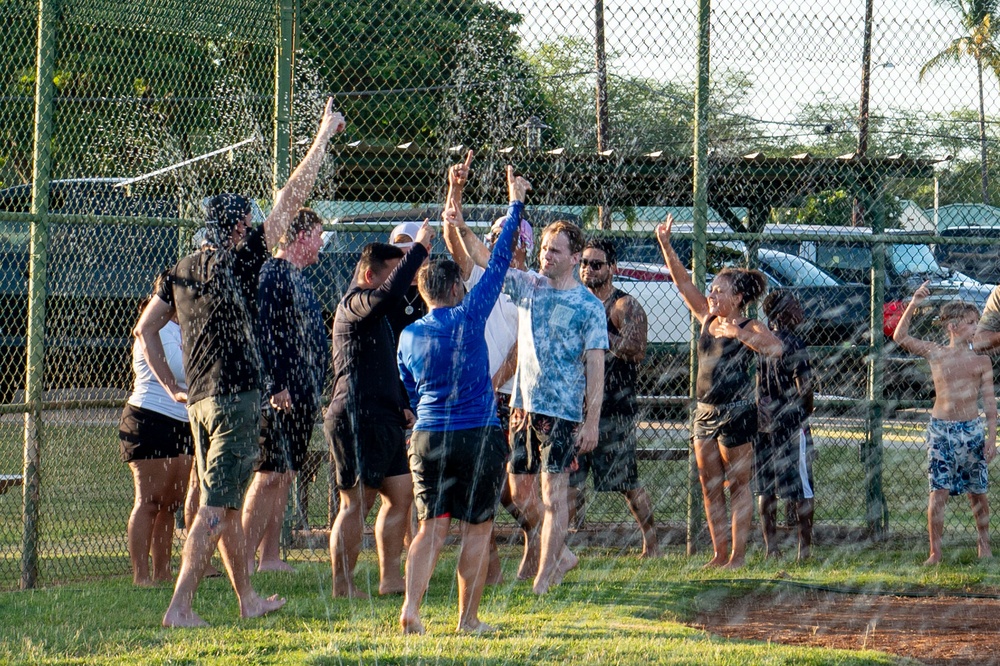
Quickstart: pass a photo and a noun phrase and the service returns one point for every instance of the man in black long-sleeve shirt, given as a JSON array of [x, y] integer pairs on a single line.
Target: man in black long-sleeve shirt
[[365, 423]]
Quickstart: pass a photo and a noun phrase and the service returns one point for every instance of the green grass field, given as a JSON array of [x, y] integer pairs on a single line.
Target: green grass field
[[611, 610]]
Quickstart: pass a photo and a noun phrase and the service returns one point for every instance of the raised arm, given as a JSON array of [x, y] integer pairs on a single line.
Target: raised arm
[[458, 175], [630, 320], [902, 336], [693, 298], [300, 184], [156, 315]]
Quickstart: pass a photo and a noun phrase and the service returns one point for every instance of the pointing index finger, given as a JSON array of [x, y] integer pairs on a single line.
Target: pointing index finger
[[468, 159]]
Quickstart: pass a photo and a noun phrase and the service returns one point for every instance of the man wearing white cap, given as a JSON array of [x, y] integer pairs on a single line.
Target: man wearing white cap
[[412, 307]]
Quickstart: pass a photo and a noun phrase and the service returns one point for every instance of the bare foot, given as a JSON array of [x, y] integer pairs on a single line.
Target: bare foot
[[716, 562], [411, 625], [932, 560], [182, 619], [275, 565], [143, 582], [348, 591], [260, 607], [540, 588], [772, 554], [734, 563], [528, 568], [649, 552], [804, 554], [392, 587], [476, 627], [984, 552]]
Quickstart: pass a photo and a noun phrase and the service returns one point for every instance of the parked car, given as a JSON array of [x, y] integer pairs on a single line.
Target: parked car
[[981, 261], [844, 253]]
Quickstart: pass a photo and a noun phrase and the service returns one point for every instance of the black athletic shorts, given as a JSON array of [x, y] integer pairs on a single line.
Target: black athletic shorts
[[457, 474], [146, 435], [284, 439], [546, 444], [732, 424], [370, 455], [613, 460]]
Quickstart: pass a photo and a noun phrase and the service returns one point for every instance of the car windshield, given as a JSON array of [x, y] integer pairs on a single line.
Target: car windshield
[[793, 271], [913, 259]]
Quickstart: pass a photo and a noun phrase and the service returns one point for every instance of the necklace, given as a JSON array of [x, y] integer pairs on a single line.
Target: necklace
[[409, 303]]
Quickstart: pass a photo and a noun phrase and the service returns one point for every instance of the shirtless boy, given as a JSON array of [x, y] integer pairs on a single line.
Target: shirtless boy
[[958, 450]]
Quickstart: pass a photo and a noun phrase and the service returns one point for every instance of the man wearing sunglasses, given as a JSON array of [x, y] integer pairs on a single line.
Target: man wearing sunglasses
[[613, 462]]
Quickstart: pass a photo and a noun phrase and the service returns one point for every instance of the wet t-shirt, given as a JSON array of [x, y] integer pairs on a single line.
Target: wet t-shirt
[[555, 329], [723, 368], [294, 344], [779, 404], [214, 293]]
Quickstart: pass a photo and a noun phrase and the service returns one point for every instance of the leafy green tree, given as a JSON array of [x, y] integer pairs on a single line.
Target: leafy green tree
[[978, 43]]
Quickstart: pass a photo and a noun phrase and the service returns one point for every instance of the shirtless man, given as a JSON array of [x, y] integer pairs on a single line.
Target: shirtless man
[[958, 450]]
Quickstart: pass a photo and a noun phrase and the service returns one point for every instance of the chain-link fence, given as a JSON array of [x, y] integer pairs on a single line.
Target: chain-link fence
[[844, 150]]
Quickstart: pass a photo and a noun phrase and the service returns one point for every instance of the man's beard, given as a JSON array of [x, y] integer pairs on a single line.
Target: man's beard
[[597, 283]]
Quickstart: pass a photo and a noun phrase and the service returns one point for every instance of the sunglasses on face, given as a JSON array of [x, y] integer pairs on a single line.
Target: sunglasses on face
[[596, 264]]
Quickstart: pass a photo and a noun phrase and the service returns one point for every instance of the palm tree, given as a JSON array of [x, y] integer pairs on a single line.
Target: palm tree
[[977, 18]]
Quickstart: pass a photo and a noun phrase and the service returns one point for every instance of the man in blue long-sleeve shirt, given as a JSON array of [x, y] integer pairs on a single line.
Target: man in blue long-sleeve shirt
[[365, 422], [457, 452]]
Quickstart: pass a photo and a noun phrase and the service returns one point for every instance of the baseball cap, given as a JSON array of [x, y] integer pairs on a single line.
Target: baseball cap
[[405, 229], [225, 211]]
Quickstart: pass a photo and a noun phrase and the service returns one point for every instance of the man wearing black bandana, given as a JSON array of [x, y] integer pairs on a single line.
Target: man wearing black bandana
[[214, 295]]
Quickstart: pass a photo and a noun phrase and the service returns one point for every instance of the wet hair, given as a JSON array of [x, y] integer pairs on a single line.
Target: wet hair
[[157, 283], [778, 307], [375, 257], [573, 234], [305, 220], [606, 246], [747, 283], [436, 278], [225, 211], [955, 310]]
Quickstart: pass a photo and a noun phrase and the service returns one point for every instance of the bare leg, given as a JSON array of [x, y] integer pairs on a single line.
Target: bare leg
[[524, 494], [191, 511], [270, 544], [576, 500], [642, 510], [214, 526], [712, 476], [421, 558], [390, 530], [738, 461], [804, 512], [981, 512], [263, 512], [159, 490], [140, 522], [769, 524], [554, 562], [345, 539], [472, 566], [935, 523]]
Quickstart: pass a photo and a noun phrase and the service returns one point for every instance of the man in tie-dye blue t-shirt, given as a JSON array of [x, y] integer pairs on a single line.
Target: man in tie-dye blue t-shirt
[[557, 395]]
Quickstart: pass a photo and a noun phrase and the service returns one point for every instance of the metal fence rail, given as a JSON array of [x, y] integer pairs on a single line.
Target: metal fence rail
[[845, 136]]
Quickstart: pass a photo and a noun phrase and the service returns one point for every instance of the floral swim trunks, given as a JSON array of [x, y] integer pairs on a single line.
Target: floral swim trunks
[[955, 457]]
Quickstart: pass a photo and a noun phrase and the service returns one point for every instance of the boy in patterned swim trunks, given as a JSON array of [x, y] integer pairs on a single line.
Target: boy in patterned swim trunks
[[958, 450]]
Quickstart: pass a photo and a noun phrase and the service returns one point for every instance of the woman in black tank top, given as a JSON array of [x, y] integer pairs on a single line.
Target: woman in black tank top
[[725, 420]]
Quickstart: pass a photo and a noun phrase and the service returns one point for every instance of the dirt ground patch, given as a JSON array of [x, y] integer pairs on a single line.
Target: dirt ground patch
[[934, 630]]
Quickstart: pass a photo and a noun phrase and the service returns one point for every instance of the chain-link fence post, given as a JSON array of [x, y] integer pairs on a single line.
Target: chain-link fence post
[[876, 509], [41, 173], [699, 256], [283, 55]]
